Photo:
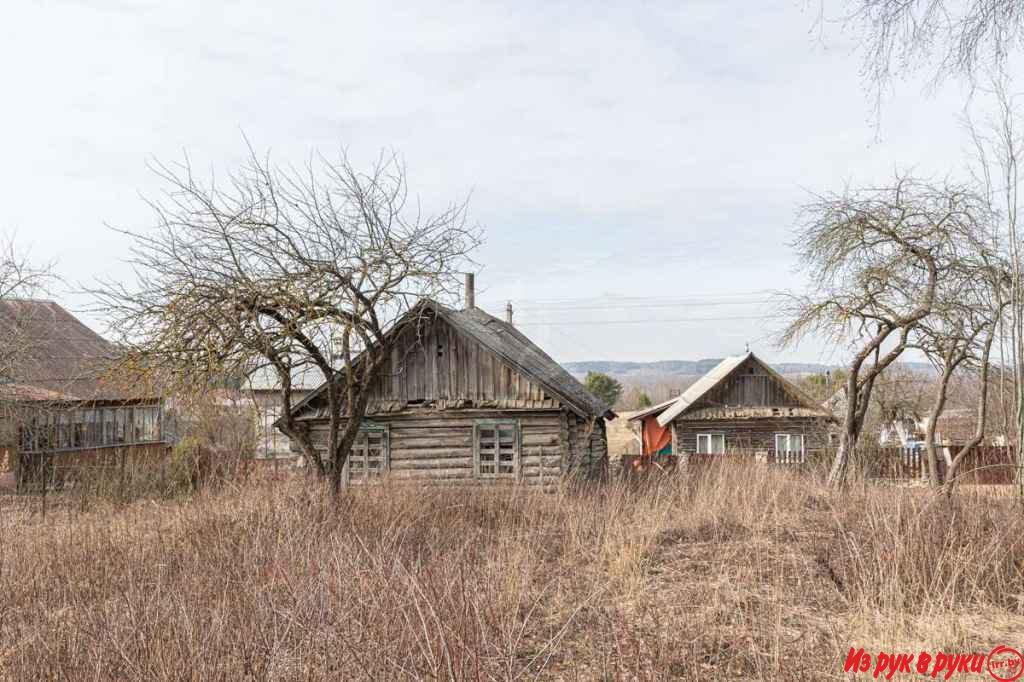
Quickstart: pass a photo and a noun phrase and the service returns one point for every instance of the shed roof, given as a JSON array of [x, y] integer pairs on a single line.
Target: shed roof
[[513, 347], [51, 350]]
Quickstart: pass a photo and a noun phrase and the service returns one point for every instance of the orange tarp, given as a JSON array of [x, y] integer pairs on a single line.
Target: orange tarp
[[656, 438]]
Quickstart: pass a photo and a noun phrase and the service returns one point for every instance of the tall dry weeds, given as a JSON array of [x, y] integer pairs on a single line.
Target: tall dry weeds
[[725, 571]]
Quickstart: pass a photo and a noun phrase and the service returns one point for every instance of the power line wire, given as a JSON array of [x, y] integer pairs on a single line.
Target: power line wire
[[563, 323], [623, 306], [605, 298]]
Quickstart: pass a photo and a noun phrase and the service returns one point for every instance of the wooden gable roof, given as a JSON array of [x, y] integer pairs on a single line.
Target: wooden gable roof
[[717, 388], [504, 367]]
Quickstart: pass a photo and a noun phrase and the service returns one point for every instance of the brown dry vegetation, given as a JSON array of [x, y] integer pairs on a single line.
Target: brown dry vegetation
[[747, 574]]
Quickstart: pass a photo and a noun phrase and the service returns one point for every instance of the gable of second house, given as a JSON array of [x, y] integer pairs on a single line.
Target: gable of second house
[[752, 409], [751, 385]]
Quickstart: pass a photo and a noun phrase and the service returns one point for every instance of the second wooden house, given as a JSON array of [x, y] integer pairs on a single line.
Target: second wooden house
[[742, 406], [467, 398]]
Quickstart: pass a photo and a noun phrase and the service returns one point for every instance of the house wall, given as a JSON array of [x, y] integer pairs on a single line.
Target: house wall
[[437, 446], [751, 435], [57, 467]]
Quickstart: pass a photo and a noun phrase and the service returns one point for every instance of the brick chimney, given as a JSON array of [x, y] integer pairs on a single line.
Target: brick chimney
[[470, 291]]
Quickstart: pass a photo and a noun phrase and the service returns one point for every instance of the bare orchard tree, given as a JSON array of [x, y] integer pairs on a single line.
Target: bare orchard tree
[[952, 37], [875, 258], [998, 151], [287, 269], [958, 337]]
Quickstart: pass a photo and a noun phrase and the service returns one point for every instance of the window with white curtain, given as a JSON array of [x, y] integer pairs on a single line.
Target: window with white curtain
[[710, 443], [789, 444]]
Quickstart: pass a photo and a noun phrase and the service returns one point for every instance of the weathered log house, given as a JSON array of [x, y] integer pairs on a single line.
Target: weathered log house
[[742, 406], [466, 398]]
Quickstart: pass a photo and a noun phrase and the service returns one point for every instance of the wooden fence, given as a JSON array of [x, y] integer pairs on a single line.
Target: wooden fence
[[983, 465]]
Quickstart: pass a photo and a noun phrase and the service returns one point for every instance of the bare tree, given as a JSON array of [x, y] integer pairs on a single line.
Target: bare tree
[[953, 37], [958, 337], [287, 269], [998, 149], [875, 258], [898, 396]]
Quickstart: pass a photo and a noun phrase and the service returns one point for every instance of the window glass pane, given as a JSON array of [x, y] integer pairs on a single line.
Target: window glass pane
[[369, 455], [63, 437], [718, 444], [497, 447], [108, 426]]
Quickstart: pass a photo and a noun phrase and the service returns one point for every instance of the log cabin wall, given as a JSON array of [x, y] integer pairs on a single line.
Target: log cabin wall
[[428, 445], [751, 435], [587, 457]]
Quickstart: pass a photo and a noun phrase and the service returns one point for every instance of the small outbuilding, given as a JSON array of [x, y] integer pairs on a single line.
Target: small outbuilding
[[466, 398], [742, 406]]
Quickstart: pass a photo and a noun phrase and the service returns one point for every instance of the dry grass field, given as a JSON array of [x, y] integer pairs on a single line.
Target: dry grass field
[[729, 574]]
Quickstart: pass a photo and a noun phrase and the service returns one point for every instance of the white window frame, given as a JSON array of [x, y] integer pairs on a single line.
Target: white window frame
[[802, 452], [709, 438], [487, 454], [360, 454]]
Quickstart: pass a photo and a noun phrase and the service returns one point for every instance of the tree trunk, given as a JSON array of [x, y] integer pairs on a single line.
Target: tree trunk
[[847, 445], [933, 419]]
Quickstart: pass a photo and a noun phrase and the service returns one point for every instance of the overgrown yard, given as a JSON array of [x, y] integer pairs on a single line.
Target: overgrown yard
[[746, 574]]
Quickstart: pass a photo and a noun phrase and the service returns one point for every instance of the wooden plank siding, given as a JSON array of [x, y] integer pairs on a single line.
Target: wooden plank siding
[[750, 386], [439, 364], [441, 367]]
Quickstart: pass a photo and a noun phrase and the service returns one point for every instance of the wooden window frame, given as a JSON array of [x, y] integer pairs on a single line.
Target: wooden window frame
[[709, 436], [385, 454], [788, 435], [517, 448]]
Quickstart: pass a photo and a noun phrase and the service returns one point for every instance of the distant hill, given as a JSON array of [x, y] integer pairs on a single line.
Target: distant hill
[[688, 368]]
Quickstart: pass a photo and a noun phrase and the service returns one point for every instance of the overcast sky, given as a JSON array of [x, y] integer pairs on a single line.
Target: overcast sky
[[630, 162]]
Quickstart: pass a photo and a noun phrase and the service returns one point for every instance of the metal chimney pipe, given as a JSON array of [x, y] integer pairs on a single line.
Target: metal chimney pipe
[[470, 293], [508, 312]]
